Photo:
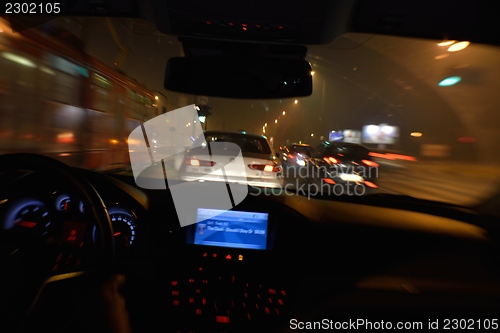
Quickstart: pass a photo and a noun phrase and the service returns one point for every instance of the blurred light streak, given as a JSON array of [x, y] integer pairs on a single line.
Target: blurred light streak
[[458, 46]]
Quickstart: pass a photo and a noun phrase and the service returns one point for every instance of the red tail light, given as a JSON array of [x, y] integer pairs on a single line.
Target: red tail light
[[265, 167], [329, 181], [370, 184], [370, 163], [331, 160], [196, 162]]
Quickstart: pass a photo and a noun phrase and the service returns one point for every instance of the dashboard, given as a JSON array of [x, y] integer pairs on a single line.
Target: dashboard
[[271, 258]]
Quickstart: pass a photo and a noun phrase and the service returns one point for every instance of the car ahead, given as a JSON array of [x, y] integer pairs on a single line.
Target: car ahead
[[346, 164], [299, 167], [297, 154], [213, 159]]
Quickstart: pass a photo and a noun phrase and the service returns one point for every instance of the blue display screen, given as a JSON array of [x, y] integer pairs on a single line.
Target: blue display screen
[[235, 229]]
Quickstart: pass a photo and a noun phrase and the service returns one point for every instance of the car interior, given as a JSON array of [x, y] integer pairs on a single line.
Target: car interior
[[286, 261]]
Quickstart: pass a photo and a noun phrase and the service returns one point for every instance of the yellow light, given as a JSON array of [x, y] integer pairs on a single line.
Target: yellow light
[[275, 121], [416, 134], [240, 257], [156, 97], [284, 112], [458, 46], [295, 102], [312, 134], [114, 141], [312, 73], [446, 43]]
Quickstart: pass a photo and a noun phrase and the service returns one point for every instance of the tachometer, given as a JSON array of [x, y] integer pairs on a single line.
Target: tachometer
[[28, 214]]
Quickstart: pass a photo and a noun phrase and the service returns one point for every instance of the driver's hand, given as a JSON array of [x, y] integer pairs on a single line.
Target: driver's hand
[[113, 305]]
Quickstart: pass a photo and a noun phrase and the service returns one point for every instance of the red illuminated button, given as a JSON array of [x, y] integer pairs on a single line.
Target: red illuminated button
[[228, 257], [222, 319]]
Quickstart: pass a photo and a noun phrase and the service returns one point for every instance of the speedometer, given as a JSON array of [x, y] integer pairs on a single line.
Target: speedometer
[[124, 226]]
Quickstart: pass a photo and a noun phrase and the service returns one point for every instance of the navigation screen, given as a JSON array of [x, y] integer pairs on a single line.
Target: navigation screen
[[236, 229]]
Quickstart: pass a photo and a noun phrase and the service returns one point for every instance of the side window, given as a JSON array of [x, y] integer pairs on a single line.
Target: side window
[[61, 80], [101, 93], [149, 109], [137, 105], [59, 86]]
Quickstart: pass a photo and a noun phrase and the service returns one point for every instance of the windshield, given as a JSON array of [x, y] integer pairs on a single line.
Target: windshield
[[425, 111]]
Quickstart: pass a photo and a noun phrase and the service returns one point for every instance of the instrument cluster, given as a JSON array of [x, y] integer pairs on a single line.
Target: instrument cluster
[[35, 217]]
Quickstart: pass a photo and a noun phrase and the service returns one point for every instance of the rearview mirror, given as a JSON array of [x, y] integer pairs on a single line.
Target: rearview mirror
[[239, 77]]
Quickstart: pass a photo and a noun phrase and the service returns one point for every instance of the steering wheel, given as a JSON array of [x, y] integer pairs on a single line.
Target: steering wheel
[[76, 253]]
